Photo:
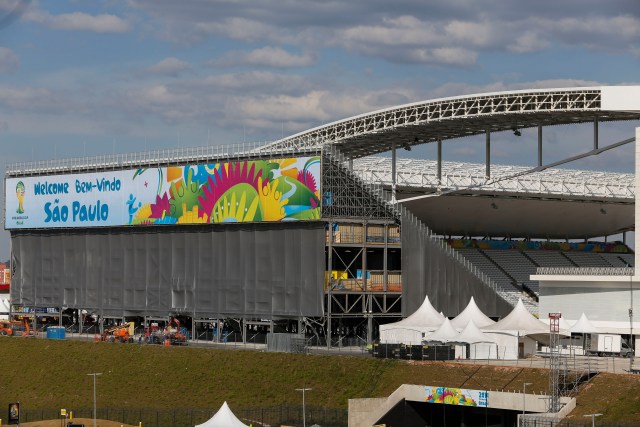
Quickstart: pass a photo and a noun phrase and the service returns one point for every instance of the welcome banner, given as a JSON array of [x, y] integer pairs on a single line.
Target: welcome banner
[[244, 191]]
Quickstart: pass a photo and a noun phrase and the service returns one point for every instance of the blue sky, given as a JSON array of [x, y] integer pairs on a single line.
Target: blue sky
[[89, 78]]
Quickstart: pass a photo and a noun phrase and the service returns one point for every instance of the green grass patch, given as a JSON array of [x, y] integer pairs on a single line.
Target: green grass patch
[[46, 374]]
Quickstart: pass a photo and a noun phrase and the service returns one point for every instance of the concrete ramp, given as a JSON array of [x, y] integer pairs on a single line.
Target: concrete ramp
[[501, 405]]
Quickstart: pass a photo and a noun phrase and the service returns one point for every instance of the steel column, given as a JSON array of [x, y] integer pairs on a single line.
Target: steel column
[[539, 145], [488, 153], [393, 172], [439, 162]]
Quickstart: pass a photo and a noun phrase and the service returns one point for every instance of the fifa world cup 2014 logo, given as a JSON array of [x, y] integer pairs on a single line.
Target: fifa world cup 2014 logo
[[20, 194]]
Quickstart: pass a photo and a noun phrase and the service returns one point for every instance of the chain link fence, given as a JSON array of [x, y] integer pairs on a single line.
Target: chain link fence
[[532, 421]]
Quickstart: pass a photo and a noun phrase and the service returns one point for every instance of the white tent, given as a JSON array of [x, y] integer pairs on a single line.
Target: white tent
[[481, 345], [412, 329], [223, 418], [445, 334], [4, 308], [471, 312], [519, 322], [518, 326], [584, 326]]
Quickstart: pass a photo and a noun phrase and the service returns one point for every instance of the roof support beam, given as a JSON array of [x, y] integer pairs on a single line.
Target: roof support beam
[[439, 163], [637, 207], [595, 133], [393, 172], [540, 169], [539, 145], [488, 153]]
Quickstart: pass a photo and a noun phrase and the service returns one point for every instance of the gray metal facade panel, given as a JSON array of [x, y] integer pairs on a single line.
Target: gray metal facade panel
[[428, 270], [243, 270]]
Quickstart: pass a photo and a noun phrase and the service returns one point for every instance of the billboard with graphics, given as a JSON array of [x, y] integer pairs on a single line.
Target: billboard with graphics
[[456, 396], [237, 191]]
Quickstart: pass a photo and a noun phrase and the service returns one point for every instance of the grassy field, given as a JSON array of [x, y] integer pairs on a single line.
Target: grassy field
[[48, 374]]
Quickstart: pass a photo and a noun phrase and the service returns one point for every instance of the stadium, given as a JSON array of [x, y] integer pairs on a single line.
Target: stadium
[[318, 231]]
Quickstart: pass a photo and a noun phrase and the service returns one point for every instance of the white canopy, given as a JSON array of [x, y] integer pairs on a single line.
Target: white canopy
[[473, 335], [412, 329], [584, 326], [446, 333], [4, 308], [223, 418], [471, 312], [519, 322]]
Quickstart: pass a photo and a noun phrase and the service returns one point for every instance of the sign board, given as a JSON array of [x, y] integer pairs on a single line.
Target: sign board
[[456, 396], [554, 322], [14, 413], [271, 190]]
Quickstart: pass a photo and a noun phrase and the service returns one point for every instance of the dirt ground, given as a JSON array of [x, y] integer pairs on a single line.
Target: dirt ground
[[88, 422]]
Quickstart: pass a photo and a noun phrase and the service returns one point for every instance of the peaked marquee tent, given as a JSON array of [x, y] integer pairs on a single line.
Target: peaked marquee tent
[[412, 329], [584, 326], [223, 418], [471, 312], [481, 345], [445, 334], [518, 326]]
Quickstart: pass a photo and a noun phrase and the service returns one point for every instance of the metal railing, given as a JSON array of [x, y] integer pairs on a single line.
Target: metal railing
[[585, 271], [151, 158]]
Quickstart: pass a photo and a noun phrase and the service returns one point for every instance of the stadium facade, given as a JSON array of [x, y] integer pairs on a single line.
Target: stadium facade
[[305, 229]]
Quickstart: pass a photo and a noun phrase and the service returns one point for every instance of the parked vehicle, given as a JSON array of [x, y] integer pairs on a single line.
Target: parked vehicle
[[118, 333], [16, 328], [172, 333], [609, 345]]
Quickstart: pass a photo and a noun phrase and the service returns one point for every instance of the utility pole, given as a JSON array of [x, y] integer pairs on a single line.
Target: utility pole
[[94, 375]]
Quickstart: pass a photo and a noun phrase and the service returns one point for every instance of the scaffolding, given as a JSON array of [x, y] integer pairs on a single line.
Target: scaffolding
[[554, 362]]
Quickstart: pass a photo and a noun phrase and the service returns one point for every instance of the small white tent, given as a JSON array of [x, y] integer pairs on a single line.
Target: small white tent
[[223, 418], [412, 329], [445, 334], [481, 345], [584, 326], [471, 312], [518, 326]]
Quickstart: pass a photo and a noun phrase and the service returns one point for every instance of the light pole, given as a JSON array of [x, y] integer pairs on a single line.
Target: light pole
[[524, 401], [94, 375], [593, 418], [304, 416]]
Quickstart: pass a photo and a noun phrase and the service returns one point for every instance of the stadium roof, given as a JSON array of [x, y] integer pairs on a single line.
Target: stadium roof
[[421, 175], [456, 117]]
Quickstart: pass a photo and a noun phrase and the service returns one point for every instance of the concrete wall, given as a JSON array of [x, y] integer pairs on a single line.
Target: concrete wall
[[605, 298], [366, 412]]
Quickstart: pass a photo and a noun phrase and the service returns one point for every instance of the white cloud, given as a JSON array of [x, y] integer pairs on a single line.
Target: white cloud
[[267, 57], [243, 29], [79, 21], [453, 33], [9, 61], [171, 67]]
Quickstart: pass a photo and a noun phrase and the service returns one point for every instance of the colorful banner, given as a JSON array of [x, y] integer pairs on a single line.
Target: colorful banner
[[244, 191], [456, 396]]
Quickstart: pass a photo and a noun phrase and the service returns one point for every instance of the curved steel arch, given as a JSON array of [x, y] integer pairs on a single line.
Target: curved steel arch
[[456, 117]]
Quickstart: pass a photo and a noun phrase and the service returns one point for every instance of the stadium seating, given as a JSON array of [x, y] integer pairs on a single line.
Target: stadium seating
[[511, 268], [587, 259]]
